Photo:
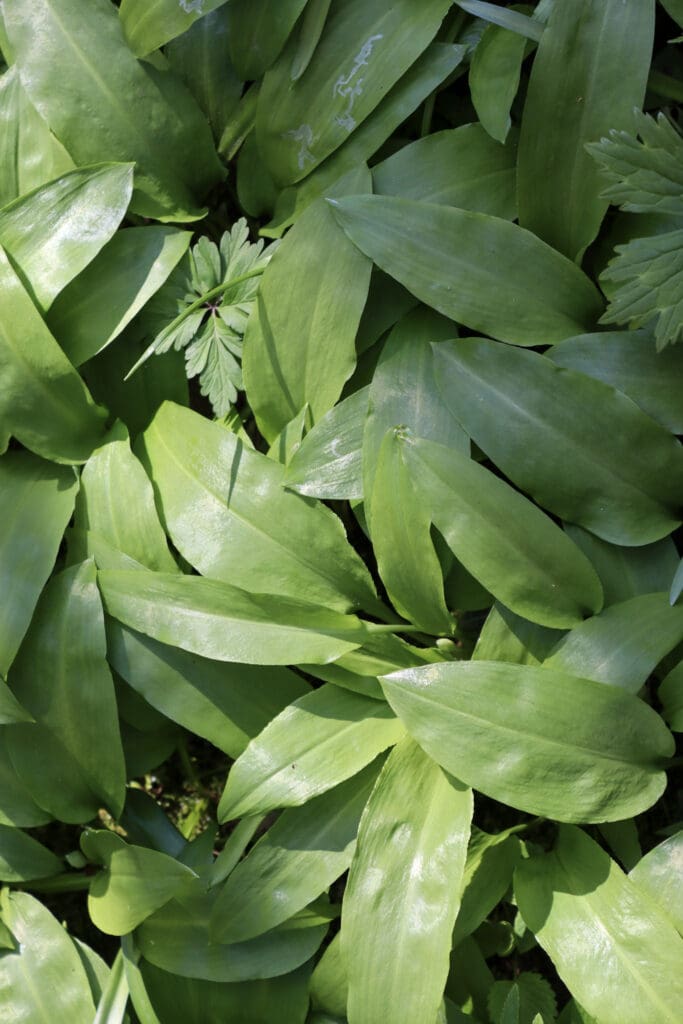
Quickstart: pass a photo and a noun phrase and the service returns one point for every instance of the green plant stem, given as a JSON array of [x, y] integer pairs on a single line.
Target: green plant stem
[[220, 289]]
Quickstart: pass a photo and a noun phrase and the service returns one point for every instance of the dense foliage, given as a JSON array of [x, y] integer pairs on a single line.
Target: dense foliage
[[339, 393]]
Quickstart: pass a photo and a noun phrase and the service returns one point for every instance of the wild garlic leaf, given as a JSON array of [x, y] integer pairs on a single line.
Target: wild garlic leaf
[[204, 308]]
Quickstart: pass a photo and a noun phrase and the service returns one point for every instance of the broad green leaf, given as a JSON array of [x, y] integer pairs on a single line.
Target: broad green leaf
[[226, 704], [469, 980], [365, 48], [312, 25], [116, 502], [176, 939], [29, 154], [111, 1008], [509, 637], [629, 362], [544, 742], [328, 462], [587, 915], [94, 309], [402, 895], [44, 403], [329, 988], [43, 980], [459, 167], [446, 258], [17, 807], [134, 883], [623, 840], [671, 696], [320, 740], [289, 439], [299, 346], [628, 572], [504, 17], [187, 1001], [299, 857], [518, 1001], [148, 24], [590, 456], [658, 874], [491, 860], [258, 33], [559, 184], [495, 71], [222, 622], [227, 512], [23, 858], [75, 66], [623, 644], [71, 761], [36, 503], [513, 549], [675, 9], [146, 824], [54, 232]]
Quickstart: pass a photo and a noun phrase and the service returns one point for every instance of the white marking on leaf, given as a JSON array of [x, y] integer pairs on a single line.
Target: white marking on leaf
[[348, 89], [304, 136], [190, 6]]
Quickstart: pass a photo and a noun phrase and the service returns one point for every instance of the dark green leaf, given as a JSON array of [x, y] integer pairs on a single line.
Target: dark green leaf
[[312, 25], [258, 32], [23, 858], [628, 572], [504, 17], [495, 71]]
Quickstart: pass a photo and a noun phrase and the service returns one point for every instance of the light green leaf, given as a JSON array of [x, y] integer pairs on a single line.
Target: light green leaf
[[299, 346], [446, 258], [623, 644], [503, 17], [227, 512], [558, 182], [75, 65], [116, 502], [258, 32], [223, 622], [658, 874], [111, 1008], [22, 858], [459, 167], [299, 857], [54, 232], [491, 860], [134, 883], [226, 704], [364, 50], [43, 980], [29, 154], [320, 740], [312, 25], [628, 572], [148, 24], [547, 743], [329, 988], [402, 895], [36, 503], [509, 637], [590, 456], [71, 761], [584, 912], [328, 462], [495, 71], [529, 992], [101, 301], [513, 549]]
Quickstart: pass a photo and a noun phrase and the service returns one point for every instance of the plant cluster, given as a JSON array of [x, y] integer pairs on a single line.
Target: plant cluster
[[340, 499]]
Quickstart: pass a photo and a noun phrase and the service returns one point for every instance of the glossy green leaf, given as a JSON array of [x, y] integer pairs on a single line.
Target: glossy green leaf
[[43, 981], [627, 572], [559, 183], [623, 644], [590, 456], [36, 503], [365, 48], [299, 857], [220, 621], [23, 858], [513, 549], [44, 403], [148, 24], [227, 512], [320, 740], [629, 362], [17, 807], [503, 17], [116, 502], [445, 257], [495, 71], [658, 874], [401, 539], [111, 1009], [299, 343], [54, 232], [95, 308], [544, 742], [258, 32], [402, 895], [134, 883], [29, 154], [71, 761], [328, 462], [584, 911], [671, 697], [509, 637], [176, 939], [459, 167], [79, 45]]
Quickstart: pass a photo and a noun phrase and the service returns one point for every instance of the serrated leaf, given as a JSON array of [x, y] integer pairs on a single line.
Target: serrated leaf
[[567, 748]]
